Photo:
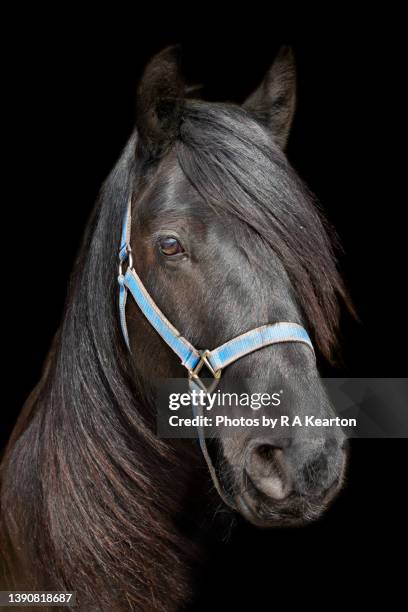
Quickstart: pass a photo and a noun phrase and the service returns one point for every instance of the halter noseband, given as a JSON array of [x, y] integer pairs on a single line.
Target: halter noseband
[[191, 358]]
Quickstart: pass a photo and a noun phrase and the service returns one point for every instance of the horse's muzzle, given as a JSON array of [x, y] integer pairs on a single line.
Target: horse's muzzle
[[290, 484]]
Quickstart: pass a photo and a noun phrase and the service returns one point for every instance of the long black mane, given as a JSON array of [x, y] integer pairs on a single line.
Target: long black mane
[[86, 499]]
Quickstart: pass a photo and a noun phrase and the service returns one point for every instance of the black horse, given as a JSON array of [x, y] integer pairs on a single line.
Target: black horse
[[226, 238]]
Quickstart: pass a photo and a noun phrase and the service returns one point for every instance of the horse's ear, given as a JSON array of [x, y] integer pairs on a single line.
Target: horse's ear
[[159, 103], [274, 101]]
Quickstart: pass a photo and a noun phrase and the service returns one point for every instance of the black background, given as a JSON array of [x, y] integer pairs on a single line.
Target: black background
[[70, 88]]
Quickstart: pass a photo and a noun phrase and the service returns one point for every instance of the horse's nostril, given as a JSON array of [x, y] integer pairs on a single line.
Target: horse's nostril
[[267, 470], [266, 452]]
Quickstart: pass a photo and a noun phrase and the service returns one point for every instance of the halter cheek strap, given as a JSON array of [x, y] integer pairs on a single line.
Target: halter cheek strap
[[191, 358]]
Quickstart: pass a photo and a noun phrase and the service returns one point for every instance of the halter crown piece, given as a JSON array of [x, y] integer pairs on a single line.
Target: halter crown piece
[[191, 358]]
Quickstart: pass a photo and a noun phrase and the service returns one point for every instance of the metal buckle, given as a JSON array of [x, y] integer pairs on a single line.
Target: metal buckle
[[129, 260], [194, 372]]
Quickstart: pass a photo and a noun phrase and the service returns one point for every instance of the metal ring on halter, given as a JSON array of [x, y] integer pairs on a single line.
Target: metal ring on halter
[[193, 374], [204, 361], [129, 260]]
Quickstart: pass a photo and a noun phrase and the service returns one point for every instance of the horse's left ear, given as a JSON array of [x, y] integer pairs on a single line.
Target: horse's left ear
[[159, 103], [274, 101]]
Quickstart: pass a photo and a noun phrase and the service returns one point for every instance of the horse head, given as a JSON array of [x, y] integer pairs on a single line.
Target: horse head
[[226, 238]]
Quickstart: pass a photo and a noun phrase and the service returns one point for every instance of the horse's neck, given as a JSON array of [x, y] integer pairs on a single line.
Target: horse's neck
[[156, 531]]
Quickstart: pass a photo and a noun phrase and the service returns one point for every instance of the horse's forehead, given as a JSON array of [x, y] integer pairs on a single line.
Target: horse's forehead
[[168, 170], [167, 191]]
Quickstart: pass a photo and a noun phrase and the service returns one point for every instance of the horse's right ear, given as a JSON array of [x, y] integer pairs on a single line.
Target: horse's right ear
[[273, 103], [159, 103]]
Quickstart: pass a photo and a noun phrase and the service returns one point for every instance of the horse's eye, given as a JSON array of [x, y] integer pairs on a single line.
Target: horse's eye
[[170, 246]]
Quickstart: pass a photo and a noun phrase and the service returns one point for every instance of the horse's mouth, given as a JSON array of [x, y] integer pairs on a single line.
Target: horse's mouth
[[295, 511]]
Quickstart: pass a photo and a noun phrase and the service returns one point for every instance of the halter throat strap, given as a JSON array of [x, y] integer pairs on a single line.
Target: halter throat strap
[[191, 358]]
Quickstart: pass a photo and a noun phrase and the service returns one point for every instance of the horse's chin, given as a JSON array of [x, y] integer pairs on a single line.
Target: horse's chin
[[293, 512]]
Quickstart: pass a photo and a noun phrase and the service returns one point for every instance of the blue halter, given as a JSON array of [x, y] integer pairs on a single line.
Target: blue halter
[[191, 358]]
